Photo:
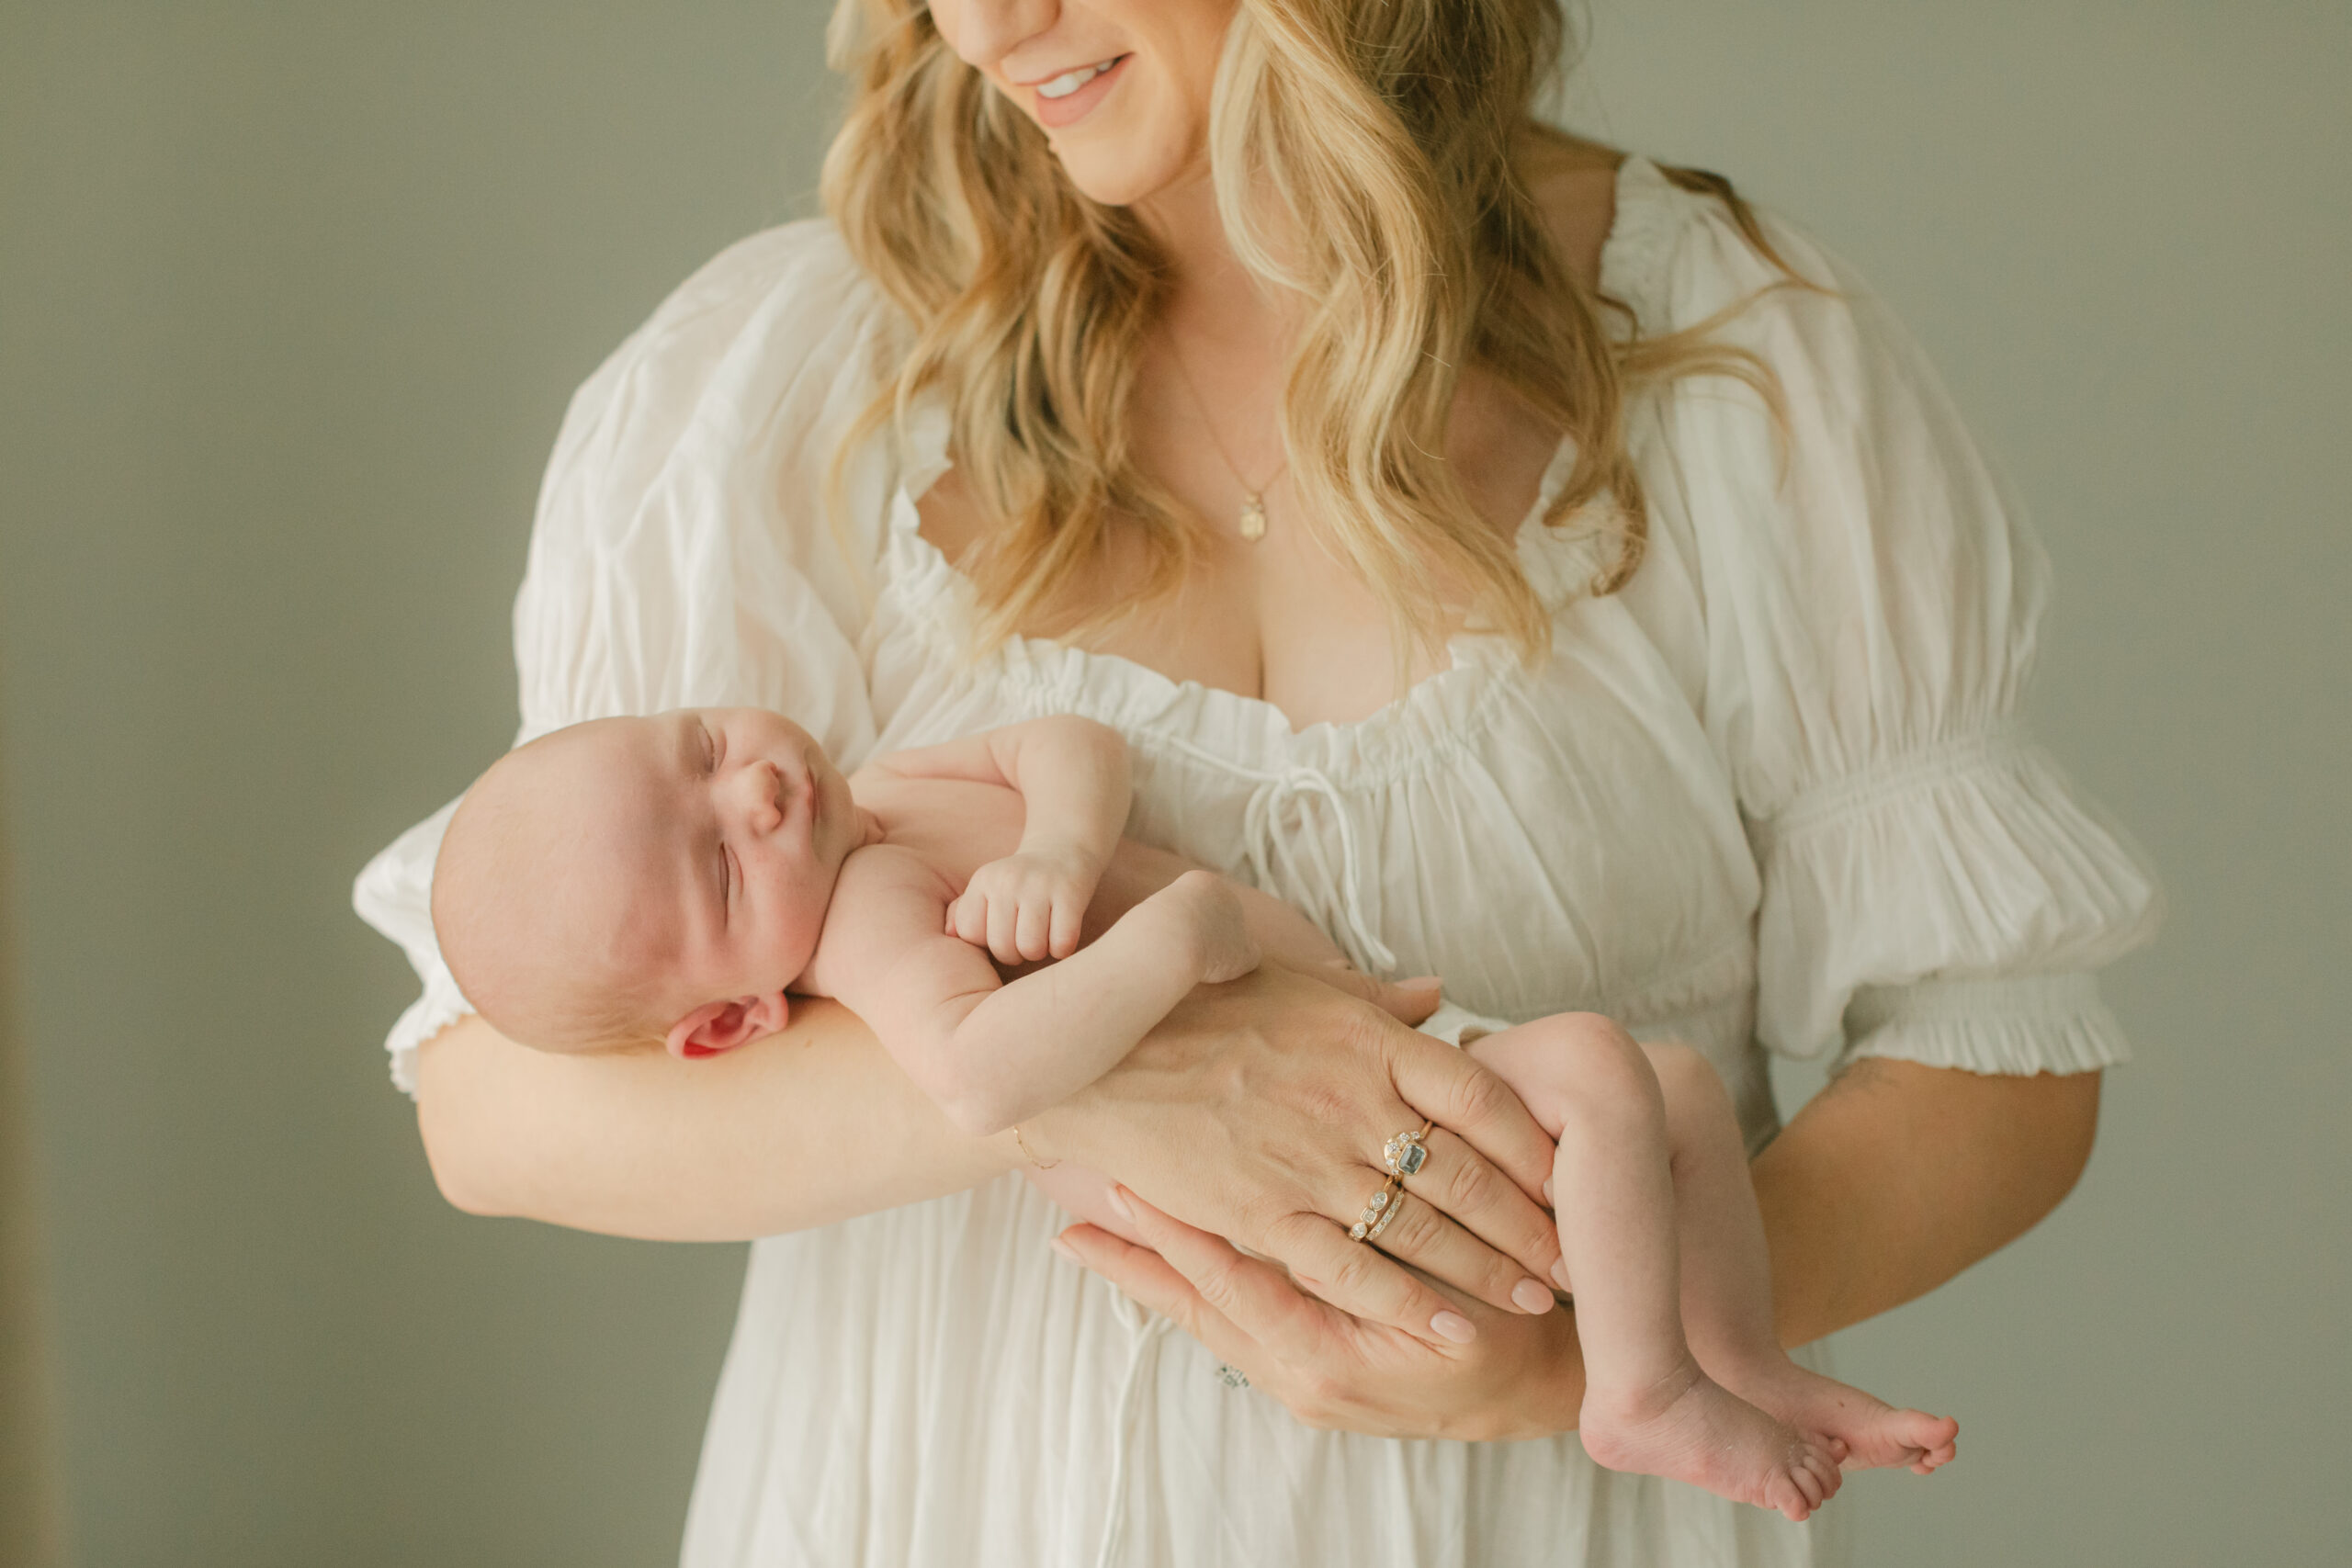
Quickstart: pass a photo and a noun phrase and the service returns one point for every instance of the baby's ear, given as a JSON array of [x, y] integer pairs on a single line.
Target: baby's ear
[[721, 1026]]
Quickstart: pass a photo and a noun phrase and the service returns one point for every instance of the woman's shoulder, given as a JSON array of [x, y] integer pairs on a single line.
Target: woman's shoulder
[[1673, 244], [793, 288], [742, 383], [755, 355], [1574, 183], [1686, 248]]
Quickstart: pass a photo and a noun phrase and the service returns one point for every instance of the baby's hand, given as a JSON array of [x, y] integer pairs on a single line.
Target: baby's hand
[[1025, 908]]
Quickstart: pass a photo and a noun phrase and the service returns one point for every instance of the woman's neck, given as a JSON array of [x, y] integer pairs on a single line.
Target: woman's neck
[[1212, 297]]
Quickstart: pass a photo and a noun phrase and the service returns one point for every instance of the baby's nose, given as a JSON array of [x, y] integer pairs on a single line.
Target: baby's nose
[[761, 788]]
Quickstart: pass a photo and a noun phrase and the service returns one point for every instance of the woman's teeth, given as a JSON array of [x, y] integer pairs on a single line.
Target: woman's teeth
[[1069, 82]]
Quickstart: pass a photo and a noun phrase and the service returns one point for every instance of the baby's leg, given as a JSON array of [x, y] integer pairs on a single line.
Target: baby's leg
[[1649, 1407], [1727, 1285]]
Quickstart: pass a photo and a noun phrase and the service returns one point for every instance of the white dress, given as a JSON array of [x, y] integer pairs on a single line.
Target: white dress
[[1770, 796]]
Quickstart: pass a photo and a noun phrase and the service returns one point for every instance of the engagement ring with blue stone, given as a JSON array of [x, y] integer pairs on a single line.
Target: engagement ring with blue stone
[[1403, 1154]]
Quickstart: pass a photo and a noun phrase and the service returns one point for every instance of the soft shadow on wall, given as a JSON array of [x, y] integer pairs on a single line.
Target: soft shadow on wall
[[32, 1520]]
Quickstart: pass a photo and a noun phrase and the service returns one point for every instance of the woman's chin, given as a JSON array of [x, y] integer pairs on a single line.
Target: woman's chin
[[1109, 176]]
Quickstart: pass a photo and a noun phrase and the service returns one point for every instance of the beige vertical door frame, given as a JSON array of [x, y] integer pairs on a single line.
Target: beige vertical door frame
[[30, 1516]]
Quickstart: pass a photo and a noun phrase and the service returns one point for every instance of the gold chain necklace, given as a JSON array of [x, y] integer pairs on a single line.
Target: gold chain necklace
[[1253, 497]]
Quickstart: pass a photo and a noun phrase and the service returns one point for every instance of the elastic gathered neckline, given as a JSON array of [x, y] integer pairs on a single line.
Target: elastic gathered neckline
[[1411, 732]]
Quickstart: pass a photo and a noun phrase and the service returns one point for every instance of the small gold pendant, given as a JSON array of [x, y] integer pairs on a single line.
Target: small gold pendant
[[1253, 520]]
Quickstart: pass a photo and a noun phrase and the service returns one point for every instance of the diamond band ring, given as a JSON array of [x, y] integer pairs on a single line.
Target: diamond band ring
[[1403, 1154], [1379, 1212]]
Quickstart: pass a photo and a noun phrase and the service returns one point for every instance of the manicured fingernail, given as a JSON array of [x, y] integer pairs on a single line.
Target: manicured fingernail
[[1454, 1326], [1119, 1203], [1560, 1274], [1067, 1250], [1531, 1297], [1547, 1190]]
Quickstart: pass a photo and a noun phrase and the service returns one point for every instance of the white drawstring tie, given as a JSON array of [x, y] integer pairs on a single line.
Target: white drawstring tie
[[1146, 1332], [1296, 866]]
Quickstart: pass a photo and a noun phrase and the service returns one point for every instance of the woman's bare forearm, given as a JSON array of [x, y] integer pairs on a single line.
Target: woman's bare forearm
[[1896, 1177], [802, 1129]]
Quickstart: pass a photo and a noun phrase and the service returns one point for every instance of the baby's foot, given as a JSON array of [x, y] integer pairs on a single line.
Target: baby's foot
[[1692, 1429], [1865, 1432]]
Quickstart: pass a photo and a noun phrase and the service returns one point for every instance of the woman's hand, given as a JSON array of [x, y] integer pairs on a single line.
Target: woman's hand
[[1523, 1378], [1257, 1110]]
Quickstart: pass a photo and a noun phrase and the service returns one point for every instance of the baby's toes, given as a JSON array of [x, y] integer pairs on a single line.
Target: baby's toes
[[1930, 1434], [1824, 1468], [1786, 1493], [1936, 1459]]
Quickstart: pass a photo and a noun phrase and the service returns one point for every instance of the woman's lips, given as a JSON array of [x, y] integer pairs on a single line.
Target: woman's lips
[[1056, 113]]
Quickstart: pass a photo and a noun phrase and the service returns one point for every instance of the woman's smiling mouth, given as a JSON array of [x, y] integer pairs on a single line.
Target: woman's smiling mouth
[[1070, 96], [1069, 82]]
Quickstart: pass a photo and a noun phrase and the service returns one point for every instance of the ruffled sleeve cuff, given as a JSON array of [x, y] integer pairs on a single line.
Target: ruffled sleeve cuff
[[2034, 1023], [1947, 908], [394, 894]]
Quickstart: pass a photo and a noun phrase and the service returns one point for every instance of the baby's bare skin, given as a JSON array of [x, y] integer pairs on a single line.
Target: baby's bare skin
[[677, 875], [1685, 1376]]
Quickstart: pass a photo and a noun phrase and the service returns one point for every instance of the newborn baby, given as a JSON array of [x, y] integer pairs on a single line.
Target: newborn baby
[[671, 879]]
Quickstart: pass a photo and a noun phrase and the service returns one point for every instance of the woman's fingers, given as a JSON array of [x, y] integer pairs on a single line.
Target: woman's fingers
[[1421, 1235], [1147, 1279], [1452, 1090], [1406, 1001], [1457, 1183], [1365, 1282], [1253, 1295]]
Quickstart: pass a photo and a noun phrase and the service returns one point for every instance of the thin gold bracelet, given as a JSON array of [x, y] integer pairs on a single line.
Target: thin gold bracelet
[[1029, 1154]]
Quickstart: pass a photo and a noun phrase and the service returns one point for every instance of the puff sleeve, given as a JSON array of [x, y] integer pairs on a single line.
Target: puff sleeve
[[682, 553], [1932, 887]]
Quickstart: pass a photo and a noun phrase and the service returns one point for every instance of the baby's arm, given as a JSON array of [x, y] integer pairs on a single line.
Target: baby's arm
[[991, 1053], [1283, 935], [1071, 774]]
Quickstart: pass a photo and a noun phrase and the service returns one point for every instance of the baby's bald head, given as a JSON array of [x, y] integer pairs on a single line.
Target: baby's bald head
[[656, 878], [532, 894]]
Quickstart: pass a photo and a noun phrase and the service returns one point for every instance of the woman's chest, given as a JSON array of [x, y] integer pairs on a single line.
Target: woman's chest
[[1266, 609], [1275, 619], [1545, 838]]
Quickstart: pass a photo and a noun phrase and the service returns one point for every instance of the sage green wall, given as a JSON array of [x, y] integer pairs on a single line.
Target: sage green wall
[[291, 299]]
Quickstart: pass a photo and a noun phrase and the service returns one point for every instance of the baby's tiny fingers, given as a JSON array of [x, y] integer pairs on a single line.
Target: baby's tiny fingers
[[1002, 937], [1033, 928], [1069, 916], [971, 914]]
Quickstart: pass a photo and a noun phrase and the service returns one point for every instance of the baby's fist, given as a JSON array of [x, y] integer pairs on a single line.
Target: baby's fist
[[1023, 908]]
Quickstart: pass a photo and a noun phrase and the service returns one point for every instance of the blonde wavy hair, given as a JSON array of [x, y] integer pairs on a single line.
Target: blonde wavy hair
[[1396, 138]]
